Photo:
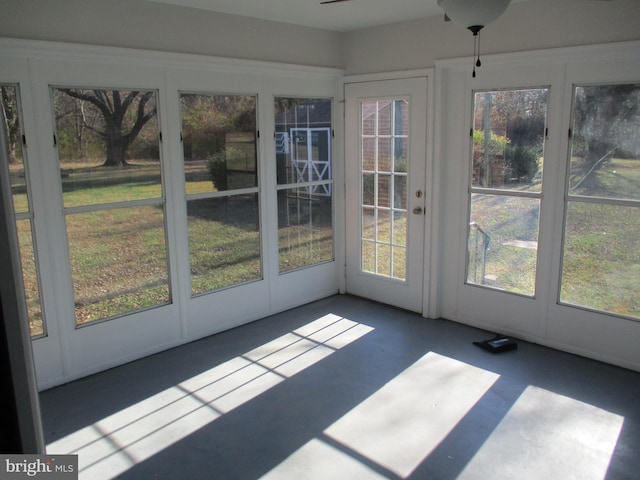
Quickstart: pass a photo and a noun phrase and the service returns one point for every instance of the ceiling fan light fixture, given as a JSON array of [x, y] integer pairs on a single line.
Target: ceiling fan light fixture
[[474, 15]]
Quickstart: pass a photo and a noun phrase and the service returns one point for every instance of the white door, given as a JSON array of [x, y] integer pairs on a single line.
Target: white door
[[385, 148]]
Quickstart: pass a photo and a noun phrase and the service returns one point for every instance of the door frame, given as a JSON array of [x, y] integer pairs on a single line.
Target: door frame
[[428, 305], [541, 319]]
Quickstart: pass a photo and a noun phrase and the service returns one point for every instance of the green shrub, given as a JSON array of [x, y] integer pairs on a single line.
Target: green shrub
[[497, 146], [497, 143], [217, 166], [522, 163]]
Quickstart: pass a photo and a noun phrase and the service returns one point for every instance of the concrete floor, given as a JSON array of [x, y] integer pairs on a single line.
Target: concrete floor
[[349, 389]]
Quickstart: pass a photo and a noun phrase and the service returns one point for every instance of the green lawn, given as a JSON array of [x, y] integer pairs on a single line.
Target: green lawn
[[601, 262], [119, 260], [118, 256]]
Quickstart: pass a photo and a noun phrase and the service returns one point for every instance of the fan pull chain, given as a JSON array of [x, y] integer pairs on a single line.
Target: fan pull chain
[[475, 29], [476, 52]]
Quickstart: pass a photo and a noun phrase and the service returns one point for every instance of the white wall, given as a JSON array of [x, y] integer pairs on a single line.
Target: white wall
[[530, 25], [154, 26]]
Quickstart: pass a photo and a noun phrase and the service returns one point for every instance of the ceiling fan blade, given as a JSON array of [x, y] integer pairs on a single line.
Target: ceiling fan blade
[[326, 2]]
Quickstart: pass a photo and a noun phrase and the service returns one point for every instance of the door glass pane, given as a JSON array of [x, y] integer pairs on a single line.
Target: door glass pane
[[605, 145], [118, 261], [601, 252], [109, 156], [19, 179], [13, 135], [506, 188], [219, 142], [30, 277], [383, 187], [305, 233], [508, 139], [303, 139], [108, 145], [503, 242], [221, 181], [305, 196], [601, 265], [224, 242]]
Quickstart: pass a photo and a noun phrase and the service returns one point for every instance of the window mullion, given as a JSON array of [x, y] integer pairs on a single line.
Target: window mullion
[[604, 201], [508, 193]]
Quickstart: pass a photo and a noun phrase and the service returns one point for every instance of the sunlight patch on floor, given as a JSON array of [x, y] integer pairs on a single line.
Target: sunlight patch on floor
[[317, 460], [547, 435], [398, 426], [118, 442]]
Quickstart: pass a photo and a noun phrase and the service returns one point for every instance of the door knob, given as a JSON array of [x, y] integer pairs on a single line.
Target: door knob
[[417, 211]]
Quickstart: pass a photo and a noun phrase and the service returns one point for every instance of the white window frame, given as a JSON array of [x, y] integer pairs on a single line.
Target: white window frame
[[500, 192], [68, 353]]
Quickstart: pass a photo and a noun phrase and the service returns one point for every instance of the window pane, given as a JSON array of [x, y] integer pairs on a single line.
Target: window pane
[[503, 242], [219, 142], [368, 154], [384, 221], [508, 139], [384, 261], [305, 221], [369, 119], [508, 156], [400, 192], [400, 155], [601, 262], [13, 133], [224, 242], [18, 177], [605, 144], [368, 188], [303, 139], [368, 223], [220, 155], [399, 265], [30, 277], [384, 191], [384, 154], [384, 121], [118, 261], [399, 228], [320, 166], [305, 228], [601, 259], [401, 118], [108, 145], [369, 257], [109, 153]]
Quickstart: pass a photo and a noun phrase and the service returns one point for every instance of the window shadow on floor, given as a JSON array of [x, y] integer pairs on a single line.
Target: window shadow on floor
[[347, 388]]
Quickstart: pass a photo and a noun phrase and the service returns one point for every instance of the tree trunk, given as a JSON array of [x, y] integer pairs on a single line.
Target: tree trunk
[[116, 148], [487, 140], [596, 148], [10, 127]]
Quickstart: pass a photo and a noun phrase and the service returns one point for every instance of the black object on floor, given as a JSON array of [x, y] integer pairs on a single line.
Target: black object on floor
[[498, 344]]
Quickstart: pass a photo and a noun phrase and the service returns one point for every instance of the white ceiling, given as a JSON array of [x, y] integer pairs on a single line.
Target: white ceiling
[[342, 17]]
